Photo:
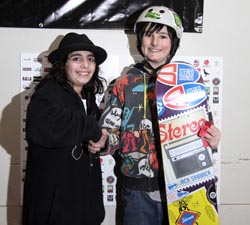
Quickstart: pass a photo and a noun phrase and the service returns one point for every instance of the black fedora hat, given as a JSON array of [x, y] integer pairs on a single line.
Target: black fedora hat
[[76, 42]]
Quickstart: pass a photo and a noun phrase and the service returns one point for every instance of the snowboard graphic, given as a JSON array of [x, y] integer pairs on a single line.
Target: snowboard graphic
[[184, 116]]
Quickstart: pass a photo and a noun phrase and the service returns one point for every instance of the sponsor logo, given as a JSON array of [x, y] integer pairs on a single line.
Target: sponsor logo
[[179, 128], [110, 179], [185, 96], [188, 218], [178, 73], [27, 68]]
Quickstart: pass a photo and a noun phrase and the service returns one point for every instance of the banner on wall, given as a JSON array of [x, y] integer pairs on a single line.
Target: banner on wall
[[102, 14], [34, 66]]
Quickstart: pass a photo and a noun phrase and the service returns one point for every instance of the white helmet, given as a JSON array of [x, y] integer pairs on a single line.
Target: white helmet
[[162, 15]]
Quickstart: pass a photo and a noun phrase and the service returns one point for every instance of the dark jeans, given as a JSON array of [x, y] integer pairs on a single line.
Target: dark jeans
[[140, 209]]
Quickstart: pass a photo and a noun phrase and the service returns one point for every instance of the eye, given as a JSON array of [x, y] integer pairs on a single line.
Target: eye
[[92, 59], [164, 36], [75, 58]]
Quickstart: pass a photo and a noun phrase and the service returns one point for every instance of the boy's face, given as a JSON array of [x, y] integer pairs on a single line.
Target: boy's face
[[156, 47]]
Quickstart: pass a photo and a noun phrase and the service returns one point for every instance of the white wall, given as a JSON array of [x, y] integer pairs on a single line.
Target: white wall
[[226, 33]]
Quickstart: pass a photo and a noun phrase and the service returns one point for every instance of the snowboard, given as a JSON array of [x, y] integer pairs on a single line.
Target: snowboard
[[183, 118]]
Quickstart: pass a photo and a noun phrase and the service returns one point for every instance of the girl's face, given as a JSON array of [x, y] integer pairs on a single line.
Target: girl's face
[[156, 47], [80, 67]]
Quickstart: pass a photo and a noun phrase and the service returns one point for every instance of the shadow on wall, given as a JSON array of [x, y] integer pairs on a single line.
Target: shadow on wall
[[10, 141]]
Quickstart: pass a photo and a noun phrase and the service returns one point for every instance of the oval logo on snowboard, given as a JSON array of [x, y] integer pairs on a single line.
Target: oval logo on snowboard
[[184, 96], [178, 73]]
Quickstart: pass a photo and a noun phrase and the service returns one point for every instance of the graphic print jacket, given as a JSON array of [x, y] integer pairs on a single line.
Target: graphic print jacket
[[130, 117]]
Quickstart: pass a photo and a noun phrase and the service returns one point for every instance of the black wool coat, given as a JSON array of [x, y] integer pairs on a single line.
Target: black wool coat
[[63, 184]]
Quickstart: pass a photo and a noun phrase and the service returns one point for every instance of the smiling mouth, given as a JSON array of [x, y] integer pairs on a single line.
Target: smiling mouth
[[83, 73], [154, 50]]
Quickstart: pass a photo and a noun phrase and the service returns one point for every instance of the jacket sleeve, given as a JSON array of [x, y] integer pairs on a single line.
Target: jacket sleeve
[[111, 119], [54, 119]]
